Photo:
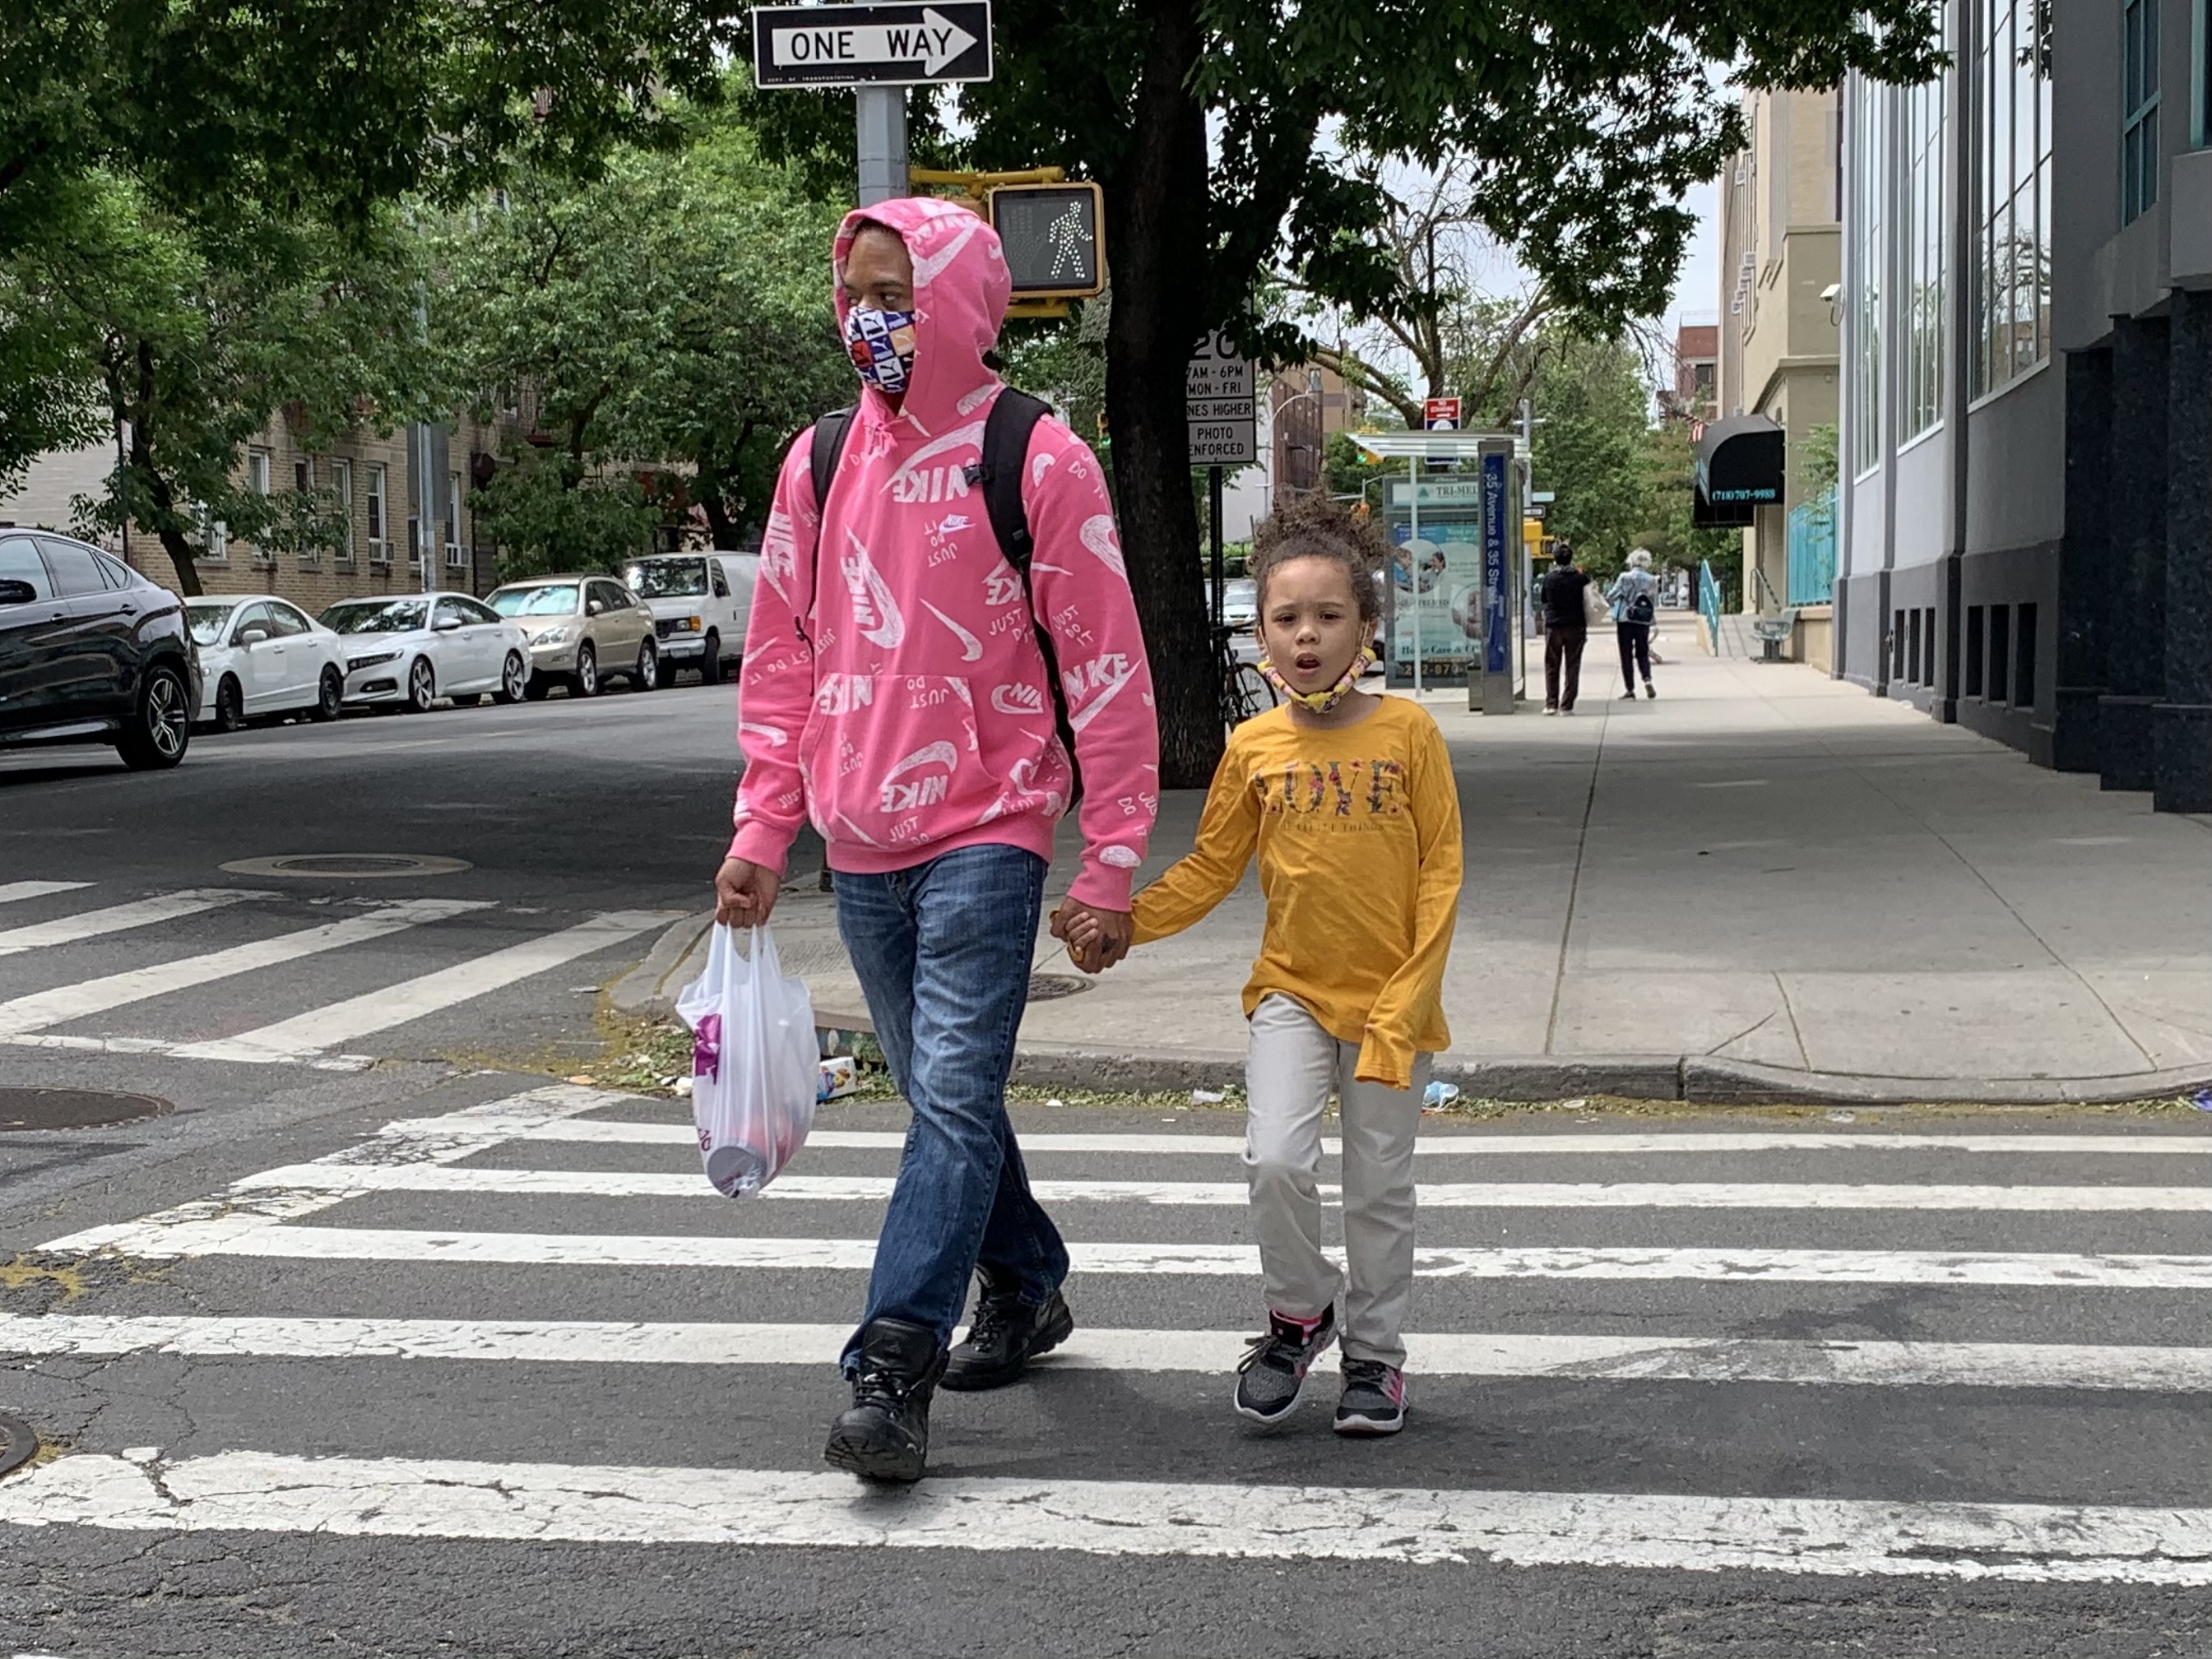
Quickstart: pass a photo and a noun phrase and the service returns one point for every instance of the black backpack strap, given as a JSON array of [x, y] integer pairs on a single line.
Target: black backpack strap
[[1006, 432], [823, 453]]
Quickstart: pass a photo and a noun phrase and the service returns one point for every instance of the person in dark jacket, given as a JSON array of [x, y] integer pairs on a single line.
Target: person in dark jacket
[[1567, 629]]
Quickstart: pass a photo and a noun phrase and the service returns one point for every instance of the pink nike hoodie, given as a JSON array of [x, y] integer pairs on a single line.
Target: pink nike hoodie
[[893, 690]]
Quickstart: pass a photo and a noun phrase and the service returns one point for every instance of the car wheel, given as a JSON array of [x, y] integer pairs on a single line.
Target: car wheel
[[513, 679], [330, 695], [155, 735], [536, 688], [664, 674], [587, 678], [710, 665], [229, 706], [645, 677], [421, 687]]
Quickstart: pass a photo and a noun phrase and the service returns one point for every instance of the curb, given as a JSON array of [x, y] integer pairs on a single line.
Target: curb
[[650, 989]]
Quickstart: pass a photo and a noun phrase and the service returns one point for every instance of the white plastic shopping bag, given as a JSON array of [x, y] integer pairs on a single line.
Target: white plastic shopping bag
[[755, 1064]]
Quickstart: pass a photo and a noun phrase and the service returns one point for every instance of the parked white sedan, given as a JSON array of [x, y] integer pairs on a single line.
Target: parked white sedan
[[260, 655], [408, 652]]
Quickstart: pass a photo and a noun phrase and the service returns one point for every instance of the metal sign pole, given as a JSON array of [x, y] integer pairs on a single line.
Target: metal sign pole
[[1213, 519], [879, 122]]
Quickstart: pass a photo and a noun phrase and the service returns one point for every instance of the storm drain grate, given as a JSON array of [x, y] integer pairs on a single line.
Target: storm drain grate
[[1046, 988], [347, 864], [76, 1108]]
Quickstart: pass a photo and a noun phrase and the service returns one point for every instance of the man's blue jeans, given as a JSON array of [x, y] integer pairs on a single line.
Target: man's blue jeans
[[942, 952]]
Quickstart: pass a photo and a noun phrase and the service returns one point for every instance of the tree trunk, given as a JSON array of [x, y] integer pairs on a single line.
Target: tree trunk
[[1156, 223], [173, 540]]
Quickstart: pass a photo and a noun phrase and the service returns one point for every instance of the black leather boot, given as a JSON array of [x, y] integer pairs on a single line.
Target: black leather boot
[[1005, 1336], [884, 1436]]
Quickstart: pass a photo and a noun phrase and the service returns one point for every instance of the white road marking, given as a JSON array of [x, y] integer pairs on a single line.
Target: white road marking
[[116, 918], [119, 1045], [318, 1030], [232, 1216], [1441, 1195], [12, 890], [425, 1497], [68, 1002], [1612, 1358], [158, 1238], [1469, 1145]]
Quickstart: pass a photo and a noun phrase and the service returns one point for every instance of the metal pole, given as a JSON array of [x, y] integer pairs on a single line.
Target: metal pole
[[1413, 559], [123, 489], [879, 122], [1213, 518]]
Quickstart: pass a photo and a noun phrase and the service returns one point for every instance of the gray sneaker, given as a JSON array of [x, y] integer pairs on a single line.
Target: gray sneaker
[[1374, 1398], [1272, 1373]]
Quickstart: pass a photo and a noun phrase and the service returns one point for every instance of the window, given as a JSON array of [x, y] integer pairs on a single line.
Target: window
[[1897, 643], [303, 474], [2139, 25], [1976, 621], [1868, 247], [1921, 231], [2023, 661], [75, 572], [250, 616], [214, 536], [284, 623], [257, 471], [342, 497], [2011, 173], [20, 563], [454, 519], [379, 547], [1999, 654]]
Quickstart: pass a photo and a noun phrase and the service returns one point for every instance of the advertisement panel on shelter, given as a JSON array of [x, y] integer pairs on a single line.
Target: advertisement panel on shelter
[[1433, 598]]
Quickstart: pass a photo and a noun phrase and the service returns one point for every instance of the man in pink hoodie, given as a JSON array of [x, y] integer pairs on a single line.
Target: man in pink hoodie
[[896, 692]]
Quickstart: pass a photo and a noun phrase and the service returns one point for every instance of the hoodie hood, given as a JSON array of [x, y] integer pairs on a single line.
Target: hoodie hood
[[961, 288]]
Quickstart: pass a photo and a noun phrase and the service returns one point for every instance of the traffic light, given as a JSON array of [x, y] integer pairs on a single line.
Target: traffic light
[[1055, 238]]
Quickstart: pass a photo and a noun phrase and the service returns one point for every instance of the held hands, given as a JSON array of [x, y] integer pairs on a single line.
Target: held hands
[[1096, 939], [744, 893]]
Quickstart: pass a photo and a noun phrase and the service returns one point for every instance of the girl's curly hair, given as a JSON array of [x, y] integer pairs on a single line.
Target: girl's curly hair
[[1316, 527]]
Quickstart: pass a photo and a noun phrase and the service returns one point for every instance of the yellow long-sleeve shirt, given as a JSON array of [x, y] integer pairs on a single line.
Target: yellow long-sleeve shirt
[[1357, 832]]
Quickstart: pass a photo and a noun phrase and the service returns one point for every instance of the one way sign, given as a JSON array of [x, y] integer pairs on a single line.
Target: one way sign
[[872, 45]]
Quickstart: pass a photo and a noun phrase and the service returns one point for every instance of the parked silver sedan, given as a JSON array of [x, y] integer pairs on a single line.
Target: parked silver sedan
[[581, 628]]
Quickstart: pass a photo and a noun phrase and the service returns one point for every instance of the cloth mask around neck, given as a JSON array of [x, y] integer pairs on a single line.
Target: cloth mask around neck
[[882, 347]]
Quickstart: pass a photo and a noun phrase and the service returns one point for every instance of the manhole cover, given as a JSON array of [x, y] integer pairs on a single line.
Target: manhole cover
[[350, 865], [17, 1443], [74, 1109], [1043, 987]]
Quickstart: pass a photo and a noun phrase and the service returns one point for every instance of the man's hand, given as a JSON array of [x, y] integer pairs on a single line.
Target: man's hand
[[1096, 939], [744, 893]]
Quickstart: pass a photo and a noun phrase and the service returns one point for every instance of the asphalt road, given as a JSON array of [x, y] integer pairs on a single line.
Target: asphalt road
[[378, 1346]]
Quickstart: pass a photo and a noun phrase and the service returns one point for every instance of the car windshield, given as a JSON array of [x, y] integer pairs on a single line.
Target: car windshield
[[381, 617], [667, 579], [1240, 597], [206, 622], [553, 599]]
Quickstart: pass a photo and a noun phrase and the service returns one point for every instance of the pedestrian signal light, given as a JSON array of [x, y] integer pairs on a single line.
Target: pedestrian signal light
[[1054, 237]]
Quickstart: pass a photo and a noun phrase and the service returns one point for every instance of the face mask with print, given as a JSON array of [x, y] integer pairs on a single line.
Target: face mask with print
[[882, 347]]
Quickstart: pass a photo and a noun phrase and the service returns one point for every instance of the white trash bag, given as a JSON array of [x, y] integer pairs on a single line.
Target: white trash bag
[[755, 1064]]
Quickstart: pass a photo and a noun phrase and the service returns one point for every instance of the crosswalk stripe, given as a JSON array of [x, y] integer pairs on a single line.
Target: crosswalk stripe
[[424, 1498], [1444, 1196], [120, 918], [52, 1007], [1438, 1355], [160, 1238], [1467, 1143], [322, 1029], [12, 890]]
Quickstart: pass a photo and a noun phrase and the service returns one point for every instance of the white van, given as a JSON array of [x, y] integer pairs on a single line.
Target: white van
[[701, 605]]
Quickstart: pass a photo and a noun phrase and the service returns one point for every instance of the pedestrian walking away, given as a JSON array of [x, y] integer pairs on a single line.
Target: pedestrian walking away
[[1349, 802], [1634, 596], [899, 692], [1564, 594]]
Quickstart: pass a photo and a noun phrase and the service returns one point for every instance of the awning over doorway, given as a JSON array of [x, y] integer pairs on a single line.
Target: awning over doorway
[[1740, 462]]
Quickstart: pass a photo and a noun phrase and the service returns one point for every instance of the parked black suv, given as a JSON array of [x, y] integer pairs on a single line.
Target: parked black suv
[[92, 652]]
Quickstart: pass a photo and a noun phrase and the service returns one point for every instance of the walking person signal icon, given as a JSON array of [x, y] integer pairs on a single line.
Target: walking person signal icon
[[1051, 234]]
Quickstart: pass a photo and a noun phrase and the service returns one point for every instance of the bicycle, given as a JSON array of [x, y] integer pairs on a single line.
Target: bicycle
[[1244, 689]]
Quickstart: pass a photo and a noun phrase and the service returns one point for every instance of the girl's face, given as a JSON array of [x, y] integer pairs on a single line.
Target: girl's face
[[1311, 623]]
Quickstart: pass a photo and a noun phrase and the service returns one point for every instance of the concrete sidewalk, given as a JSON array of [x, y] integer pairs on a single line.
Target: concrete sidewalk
[[1763, 885]]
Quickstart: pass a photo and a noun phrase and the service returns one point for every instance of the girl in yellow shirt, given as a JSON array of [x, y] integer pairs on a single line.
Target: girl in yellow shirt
[[1350, 802]]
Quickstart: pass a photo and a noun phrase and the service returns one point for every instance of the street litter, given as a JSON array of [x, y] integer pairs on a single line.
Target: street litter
[[755, 1071], [1206, 1097], [1440, 1094], [2202, 1100], [840, 1076]]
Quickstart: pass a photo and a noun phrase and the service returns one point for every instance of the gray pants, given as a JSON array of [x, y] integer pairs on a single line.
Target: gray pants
[[1293, 1069]]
